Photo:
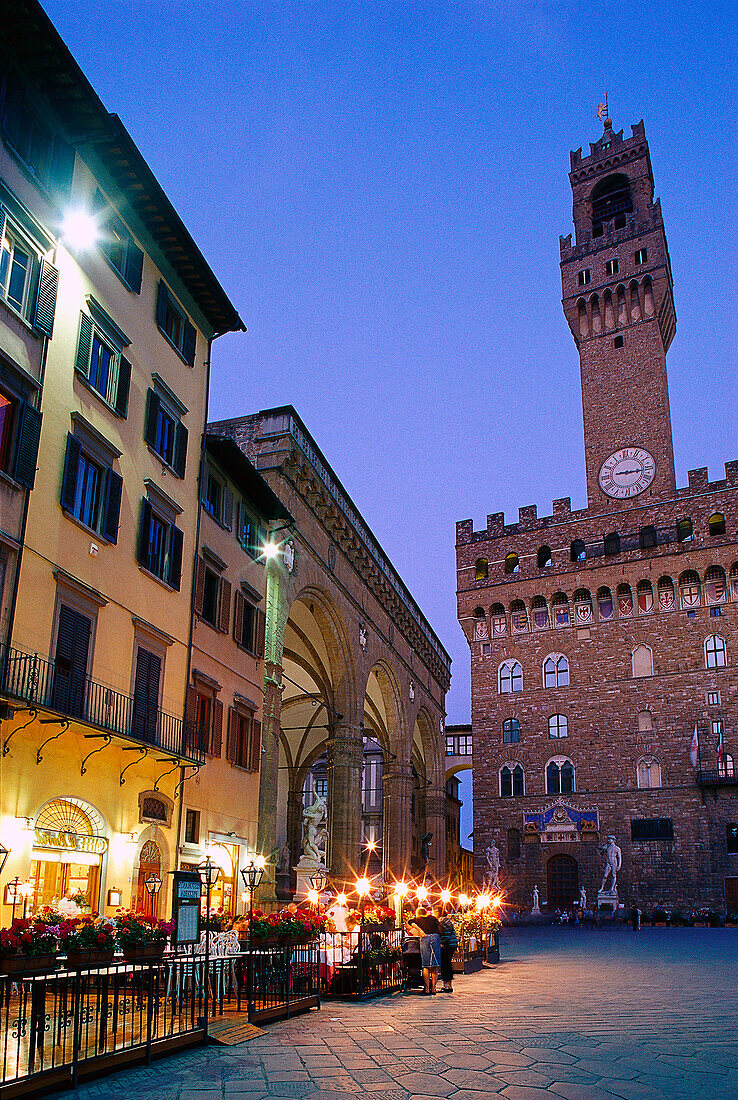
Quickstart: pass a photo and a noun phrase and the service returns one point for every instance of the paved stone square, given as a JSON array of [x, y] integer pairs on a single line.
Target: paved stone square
[[567, 1013]]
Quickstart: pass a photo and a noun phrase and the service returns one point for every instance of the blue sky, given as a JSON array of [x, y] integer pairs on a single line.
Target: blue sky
[[381, 187]]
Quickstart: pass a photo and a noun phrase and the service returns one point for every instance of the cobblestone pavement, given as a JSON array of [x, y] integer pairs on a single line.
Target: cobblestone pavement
[[567, 1013]]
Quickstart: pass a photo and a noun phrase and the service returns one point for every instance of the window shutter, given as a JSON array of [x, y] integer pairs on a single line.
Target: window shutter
[[69, 477], [26, 447], [255, 746], [227, 517], [216, 736], [134, 267], [84, 346], [111, 515], [225, 605], [152, 415], [231, 741], [204, 478], [190, 733], [144, 533], [124, 386], [238, 618], [180, 449], [43, 318], [188, 344], [199, 585], [162, 301], [260, 633], [175, 558]]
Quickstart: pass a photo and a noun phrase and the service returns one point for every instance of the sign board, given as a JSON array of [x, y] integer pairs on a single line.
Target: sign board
[[187, 891], [70, 842]]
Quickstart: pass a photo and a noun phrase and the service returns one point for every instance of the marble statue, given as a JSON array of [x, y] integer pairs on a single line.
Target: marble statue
[[492, 874], [613, 861], [582, 899], [536, 901], [314, 823]]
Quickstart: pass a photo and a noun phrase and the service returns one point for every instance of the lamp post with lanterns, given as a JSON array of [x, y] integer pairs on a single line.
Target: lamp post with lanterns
[[209, 872], [252, 875]]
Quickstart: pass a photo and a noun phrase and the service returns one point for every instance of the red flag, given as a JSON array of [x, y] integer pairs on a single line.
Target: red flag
[[720, 752], [694, 748]]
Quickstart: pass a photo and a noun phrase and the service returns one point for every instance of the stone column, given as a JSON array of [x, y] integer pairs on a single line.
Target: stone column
[[435, 822], [397, 821], [345, 763], [294, 829]]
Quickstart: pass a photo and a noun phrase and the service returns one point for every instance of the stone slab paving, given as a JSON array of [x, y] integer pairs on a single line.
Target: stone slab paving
[[608, 1015]]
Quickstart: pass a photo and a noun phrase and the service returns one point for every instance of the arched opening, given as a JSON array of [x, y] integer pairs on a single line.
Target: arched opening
[[612, 543], [642, 658], [518, 617], [604, 603], [666, 594], [481, 569], [648, 306], [689, 589], [685, 531], [499, 621], [578, 550], [611, 201], [645, 597], [149, 863], [583, 606], [715, 585], [647, 537], [560, 609], [539, 613], [562, 873], [512, 562], [481, 630], [717, 524], [544, 557], [625, 601], [66, 858]]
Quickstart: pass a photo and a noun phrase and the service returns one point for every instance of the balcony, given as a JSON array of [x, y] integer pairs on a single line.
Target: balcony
[[44, 684], [728, 777]]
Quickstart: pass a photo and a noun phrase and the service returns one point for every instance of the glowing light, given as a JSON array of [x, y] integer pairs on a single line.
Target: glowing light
[[445, 896], [371, 845], [313, 897], [421, 893], [260, 862], [340, 899], [363, 886], [496, 902], [79, 229], [463, 899], [270, 550], [401, 889], [482, 902]]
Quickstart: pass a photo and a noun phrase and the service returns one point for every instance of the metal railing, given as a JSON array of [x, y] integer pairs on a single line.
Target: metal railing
[[41, 682], [717, 779], [363, 963], [285, 980]]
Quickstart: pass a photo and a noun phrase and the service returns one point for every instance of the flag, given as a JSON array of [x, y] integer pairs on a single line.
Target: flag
[[720, 752], [694, 747]]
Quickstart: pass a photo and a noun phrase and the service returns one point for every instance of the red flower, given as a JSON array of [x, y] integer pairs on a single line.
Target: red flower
[[102, 938]]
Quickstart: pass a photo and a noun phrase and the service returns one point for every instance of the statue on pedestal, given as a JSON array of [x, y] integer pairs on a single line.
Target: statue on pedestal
[[315, 827], [492, 874], [582, 899], [613, 862], [536, 902]]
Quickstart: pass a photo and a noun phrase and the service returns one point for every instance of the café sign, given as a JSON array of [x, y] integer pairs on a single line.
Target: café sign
[[70, 842]]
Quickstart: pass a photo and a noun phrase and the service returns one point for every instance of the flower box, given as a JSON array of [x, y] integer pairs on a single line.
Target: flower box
[[90, 957], [135, 952], [378, 926], [28, 964]]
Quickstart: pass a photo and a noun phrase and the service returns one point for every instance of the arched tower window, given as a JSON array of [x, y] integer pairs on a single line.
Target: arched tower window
[[666, 594], [689, 589], [481, 569], [578, 550], [715, 652], [612, 543], [625, 601], [717, 523], [642, 661], [481, 630], [518, 617], [604, 603], [685, 530], [645, 597], [648, 772], [611, 200], [583, 606], [499, 622], [512, 563], [512, 781], [544, 557], [539, 613]]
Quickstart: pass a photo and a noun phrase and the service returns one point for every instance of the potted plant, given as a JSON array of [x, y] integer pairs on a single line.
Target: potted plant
[[378, 917], [141, 937], [87, 942], [264, 929], [28, 946]]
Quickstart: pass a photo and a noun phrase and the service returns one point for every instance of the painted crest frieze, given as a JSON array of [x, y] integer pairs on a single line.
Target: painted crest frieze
[[561, 823]]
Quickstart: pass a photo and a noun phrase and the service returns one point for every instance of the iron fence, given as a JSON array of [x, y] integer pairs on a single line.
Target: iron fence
[[362, 963], [281, 981]]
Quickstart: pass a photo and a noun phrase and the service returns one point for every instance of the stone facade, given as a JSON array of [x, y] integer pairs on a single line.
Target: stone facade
[[601, 637]]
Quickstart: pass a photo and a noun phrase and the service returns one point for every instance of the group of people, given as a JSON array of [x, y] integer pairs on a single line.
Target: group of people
[[429, 933]]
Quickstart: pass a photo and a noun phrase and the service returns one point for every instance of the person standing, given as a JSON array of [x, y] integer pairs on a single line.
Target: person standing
[[449, 944], [426, 927]]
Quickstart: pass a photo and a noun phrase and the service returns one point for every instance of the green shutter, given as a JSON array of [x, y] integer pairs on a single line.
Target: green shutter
[[152, 415], [134, 266], [43, 320], [144, 533], [69, 477], [188, 344], [84, 347], [111, 514], [180, 449], [175, 558], [26, 447], [3, 219], [123, 387], [162, 301]]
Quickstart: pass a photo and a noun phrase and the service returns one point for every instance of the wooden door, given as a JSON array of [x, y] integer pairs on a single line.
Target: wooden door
[[563, 882]]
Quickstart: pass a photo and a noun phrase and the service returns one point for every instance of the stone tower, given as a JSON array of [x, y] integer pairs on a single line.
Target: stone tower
[[618, 300]]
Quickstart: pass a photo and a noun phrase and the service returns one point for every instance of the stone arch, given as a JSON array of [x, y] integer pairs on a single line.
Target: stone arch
[[150, 838]]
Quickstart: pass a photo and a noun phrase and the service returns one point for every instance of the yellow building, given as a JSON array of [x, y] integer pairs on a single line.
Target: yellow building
[[221, 804], [96, 661]]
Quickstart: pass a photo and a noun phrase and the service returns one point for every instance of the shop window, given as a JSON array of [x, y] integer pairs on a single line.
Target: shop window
[[513, 843], [510, 677], [510, 731], [54, 872], [512, 563], [651, 828], [512, 781], [100, 361], [243, 746], [174, 325], [192, 827], [164, 431], [715, 652], [578, 550], [648, 772], [685, 531], [481, 569], [717, 524], [160, 545], [558, 727]]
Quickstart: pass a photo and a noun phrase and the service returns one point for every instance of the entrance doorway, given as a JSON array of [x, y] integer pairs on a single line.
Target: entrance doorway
[[731, 894], [563, 882], [148, 864]]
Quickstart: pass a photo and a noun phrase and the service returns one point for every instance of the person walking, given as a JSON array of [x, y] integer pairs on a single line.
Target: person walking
[[449, 944], [426, 927]]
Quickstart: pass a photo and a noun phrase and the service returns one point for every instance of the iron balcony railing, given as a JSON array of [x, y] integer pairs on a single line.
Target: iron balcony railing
[[717, 779], [45, 683]]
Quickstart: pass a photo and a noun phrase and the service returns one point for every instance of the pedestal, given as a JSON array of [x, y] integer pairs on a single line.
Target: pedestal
[[608, 898], [305, 869], [536, 910]]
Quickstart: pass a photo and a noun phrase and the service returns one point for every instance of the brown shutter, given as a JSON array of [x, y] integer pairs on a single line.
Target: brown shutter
[[225, 605], [190, 716], [238, 618], [259, 633], [231, 741], [216, 736], [255, 747], [199, 585]]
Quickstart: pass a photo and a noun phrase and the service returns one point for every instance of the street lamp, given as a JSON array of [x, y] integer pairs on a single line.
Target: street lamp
[[209, 871], [400, 892], [445, 896], [318, 879], [252, 875], [153, 884], [463, 900], [421, 893]]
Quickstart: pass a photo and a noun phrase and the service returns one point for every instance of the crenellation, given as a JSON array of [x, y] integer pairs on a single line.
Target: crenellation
[[527, 517], [698, 481]]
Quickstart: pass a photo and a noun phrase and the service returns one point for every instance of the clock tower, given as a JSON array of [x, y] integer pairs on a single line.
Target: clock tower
[[618, 300]]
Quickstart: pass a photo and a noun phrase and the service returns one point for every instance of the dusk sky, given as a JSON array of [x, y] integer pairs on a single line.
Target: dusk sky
[[380, 189]]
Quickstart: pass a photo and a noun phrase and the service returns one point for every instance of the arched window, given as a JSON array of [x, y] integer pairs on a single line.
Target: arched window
[[648, 306], [726, 768], [734, 581], [625, 601], [481, 630], [685, 531], [499, 622], [512, 563], [560, 776], [645, 597], [539, 613], [558, 726], [611, 199], [544, 557], [512, 781], [510, 731], [612, 543], [717, 523], [513, 843], [642, 658], [689, 589], [648, 772], [647, 537], [578, 550], [666, 594], [555, 671], [715, 654], [511, 677], [583, 606], [645, 720], [715, 586], [604, 603], [518, 617], [583, 317], [560, 609], [481, 569]]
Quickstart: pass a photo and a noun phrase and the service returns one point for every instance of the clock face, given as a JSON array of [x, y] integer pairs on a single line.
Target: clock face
[[627, 472]]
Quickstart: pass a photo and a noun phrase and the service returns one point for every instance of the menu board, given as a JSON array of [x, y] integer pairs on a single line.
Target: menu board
[[186, 907]]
